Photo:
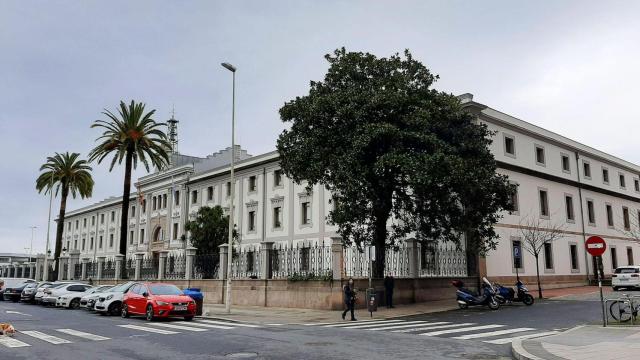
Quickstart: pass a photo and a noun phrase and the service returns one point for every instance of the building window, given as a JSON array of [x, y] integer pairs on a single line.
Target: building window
[[605, 175], [84, 222], [568, 199], [512, 205], [75, 244], [625, 218], [77, 224], [100, 242], [113, 216], [609, 215], [614, 258], [306, 213], [573, 253], [591, 212], [629, 255], [91, 243], [93, 220], [509, 146], [176, 198], [277, 178], [133, 211], [548, 256], [252, 183], [228, 188], [544, 203], [84, 242], [210, 193], [144, 206], [164, 201], [175, 231], [586, 169], [623, 185], [68, 245], [194, 196], [517, 249], [540, 155], [566, 164], [130, 237], [277, 217], [101, 218], [141, 236], [69, 225], [252, 220], [154, 203], [636, 184], [110, 240]]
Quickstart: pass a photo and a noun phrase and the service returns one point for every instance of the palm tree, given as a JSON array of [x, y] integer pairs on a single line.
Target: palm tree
[[133, 136], [65, 173]]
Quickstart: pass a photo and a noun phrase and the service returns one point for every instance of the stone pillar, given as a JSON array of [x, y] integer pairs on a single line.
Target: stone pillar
[[61, 261], [163, 261], [224, 257], [412, 254], [85, 261], [32, 270], [45, 268], [16, 271], [337, 258], [39, 263], [74, 258], [190, 254], [265, 259], [100, 266], [139, 258], [119, 263]]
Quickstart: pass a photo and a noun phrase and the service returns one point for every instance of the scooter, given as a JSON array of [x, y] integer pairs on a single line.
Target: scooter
[[508, 295], [467, 298]]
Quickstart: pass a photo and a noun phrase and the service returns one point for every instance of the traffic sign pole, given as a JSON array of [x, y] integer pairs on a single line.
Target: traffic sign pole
[[596, 246], [604, 314]]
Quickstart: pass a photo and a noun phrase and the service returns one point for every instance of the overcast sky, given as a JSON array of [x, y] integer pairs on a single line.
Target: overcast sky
[[571, 67]]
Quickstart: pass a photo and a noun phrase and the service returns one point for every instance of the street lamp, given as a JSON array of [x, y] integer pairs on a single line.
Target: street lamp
[[33, 228], [232, 184]]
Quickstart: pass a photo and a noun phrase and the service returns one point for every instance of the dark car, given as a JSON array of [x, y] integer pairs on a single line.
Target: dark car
[[29, 292], [14, 293]]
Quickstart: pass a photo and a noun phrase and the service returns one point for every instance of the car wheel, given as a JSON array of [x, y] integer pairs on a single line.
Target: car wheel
[[114, 309], [74, 304], [188, 318], [149, 314], [125, 311]]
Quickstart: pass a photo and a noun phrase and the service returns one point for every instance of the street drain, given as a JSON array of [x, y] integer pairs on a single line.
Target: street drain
[[242, 355]]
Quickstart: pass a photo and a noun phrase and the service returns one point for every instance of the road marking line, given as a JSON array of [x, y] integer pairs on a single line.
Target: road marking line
[[144, 328], [83, 335], [179, 327], [354, 325], [11, 342], [396, 326], [224, 323], [424, 323], [44, 337], [428, 327], [492, 333], [16, 312], [521, 337], [193, 323], [337, 323], [451, 331]]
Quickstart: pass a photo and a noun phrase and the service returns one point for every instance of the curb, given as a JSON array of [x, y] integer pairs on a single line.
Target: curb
[[519, 353]]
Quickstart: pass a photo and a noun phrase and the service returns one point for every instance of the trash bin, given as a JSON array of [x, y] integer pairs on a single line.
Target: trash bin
[[372, 300], [197, 296]]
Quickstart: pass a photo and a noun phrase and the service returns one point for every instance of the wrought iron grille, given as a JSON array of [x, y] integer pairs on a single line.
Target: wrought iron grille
[[149, 269], [174, 267], [65, 271], [77, 272], [303, 260], [92, 270], [206, 266], [246, 263], [442, 260], [397, 262], [130, 268], [356, 262], [109, 269]]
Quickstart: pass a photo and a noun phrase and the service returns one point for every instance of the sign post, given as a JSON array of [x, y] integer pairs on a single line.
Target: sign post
[[596, 246], [517, 255]]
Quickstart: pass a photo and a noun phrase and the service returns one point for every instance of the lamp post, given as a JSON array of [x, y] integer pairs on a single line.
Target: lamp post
[[231, 183], [47, 251], [33, 228]]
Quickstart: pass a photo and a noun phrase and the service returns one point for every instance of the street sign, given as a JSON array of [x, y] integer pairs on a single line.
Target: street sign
[[596, 245], [516, 252]]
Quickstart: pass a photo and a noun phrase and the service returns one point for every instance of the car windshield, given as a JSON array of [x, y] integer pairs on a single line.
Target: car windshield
[[121, 288], [627, 270], [103, 289], [58, 286], [165, 290], [30, 285]]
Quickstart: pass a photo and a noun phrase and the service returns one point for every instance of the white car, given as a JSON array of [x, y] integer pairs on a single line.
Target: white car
[[626, 277], [72, 298], [52, 294], [88, 301], [41, 289], [110, 302]]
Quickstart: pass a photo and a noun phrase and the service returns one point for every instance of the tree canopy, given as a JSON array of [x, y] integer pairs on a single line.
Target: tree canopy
[[399, 157], [209, 229]]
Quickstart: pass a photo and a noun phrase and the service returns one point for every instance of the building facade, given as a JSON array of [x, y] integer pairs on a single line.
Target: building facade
[[560, 182]]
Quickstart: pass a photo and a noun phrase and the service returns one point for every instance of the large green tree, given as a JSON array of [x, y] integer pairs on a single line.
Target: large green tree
[[398, 156], [132, 135], [64, 173], [209, 229]]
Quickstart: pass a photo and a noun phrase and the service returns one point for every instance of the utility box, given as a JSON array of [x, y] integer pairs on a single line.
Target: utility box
[[372, 300]]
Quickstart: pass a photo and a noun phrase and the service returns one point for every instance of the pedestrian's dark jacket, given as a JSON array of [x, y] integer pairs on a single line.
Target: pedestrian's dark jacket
[[389, 283], [349, 294]]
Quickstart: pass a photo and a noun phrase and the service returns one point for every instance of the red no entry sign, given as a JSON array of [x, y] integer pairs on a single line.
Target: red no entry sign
[[596, 245]]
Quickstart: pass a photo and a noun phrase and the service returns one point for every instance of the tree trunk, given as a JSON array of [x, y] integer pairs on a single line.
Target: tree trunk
[[59, 230], [380, 241], [124, 218], [538, 276]]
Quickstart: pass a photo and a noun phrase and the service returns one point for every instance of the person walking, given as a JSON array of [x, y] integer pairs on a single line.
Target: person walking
[[349, 299], [389, 284]]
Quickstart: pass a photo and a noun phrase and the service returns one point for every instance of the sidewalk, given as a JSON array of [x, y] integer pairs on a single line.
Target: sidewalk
[[274, 315], [590, 342]]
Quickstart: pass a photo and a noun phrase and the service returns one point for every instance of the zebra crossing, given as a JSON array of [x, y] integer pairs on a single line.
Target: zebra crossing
[[28, 338], [496, 334]]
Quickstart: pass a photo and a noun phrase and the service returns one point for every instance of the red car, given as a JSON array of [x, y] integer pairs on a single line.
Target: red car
[[157, 300]]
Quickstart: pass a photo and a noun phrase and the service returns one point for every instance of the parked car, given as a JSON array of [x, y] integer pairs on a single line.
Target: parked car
[[88, 301], [110, 302], [52, 294], [14, 293], [72, 298], [6, 283], [29, 292], [625, 277], [37, 298], [157, 300]]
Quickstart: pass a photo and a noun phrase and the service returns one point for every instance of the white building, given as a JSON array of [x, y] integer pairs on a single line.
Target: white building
[[563, 182]]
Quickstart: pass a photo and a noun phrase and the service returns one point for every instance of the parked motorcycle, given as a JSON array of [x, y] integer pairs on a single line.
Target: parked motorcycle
[[508, 294], [468, 298]]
